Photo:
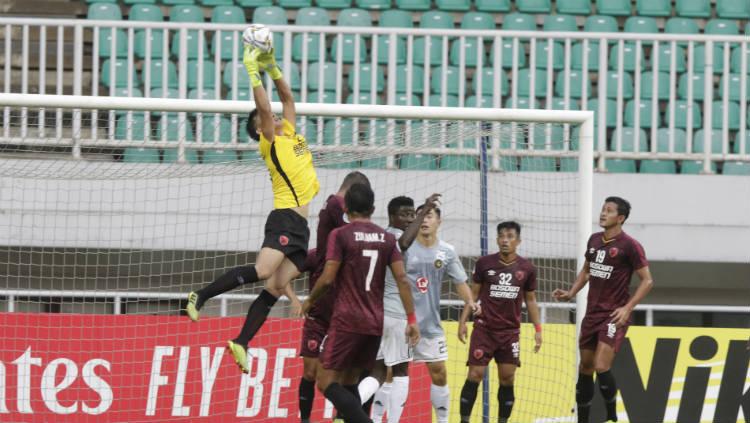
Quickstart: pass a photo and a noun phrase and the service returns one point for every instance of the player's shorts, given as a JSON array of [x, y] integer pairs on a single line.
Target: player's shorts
[[313, 332], [288, 232], [429, 350], [394, 348], [485, 345], [599, 328], [343, 350]]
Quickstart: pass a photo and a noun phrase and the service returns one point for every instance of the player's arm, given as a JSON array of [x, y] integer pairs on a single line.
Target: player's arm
[[404, 291], [268, 61], [296, 306], [533, 309], [466, 294], [262, 104], [622, 314], [323, 284], [580, 282], [410, 234], [462, 330]]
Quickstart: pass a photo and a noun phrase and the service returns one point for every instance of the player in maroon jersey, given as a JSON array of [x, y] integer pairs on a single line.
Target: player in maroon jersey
[[612, 256], [331, 216], [357, 257], [502, 281]]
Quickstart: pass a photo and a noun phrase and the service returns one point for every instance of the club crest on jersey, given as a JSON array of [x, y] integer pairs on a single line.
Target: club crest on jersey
[[312, 345], [613, 252], [520, 274], [422, 284], [478, 353], [438, 264], [283, 240]]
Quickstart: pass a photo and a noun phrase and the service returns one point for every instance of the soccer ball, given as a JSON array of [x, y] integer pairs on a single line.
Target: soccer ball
[[258, 36]]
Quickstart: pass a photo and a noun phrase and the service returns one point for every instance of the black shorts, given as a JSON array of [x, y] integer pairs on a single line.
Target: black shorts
[[287, 232]]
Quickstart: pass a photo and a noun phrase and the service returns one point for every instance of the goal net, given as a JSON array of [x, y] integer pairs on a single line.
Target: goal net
[[114, 209]]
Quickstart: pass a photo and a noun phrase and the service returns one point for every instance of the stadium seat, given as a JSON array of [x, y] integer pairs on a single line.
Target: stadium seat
[[205, 94], [270, 15], [541, 55], [363, 98], [453, 5], [508, 57], [137, 124], [314, 74], [644, 110], [313, 41], [225, 42], [735, 87], [471, 49], [243, 94], [417, 79], [213, 132], [574, 7], [345, 129], [628, 141], [613, 85], [157, 77], [721, 27], [662, 85], [524, 82], [403, 100], [394, 18], [629, 57], [715, 140], [171, 155], [574, 82], [610, 105], [475, 101], [492, 5], [252, 4], [333, 4], [552, 136], [124, 92], [736, 168], [538, 164], [459, 162], [568, 164], [436, 100], [145, 12], [519, 22], [600, 23], [451, 78], [576, 53], [667, 167], [354, 17], [654, 7], [732, 114], [418, 162], [328, 97], [192, 44], [294, 4], [665, 58], [384, 42], [642, 25], [348, 49], [477, 20], [620, 166], [558, 103], [160, 92], [186, 13], [737, 144], [560, 23], [104, 12], [121, 73], [699, 58], [681, 109], [155, 40], [105, 43], [736, 60], [487, 75], [374, 4], [365, 78], [534, 6], [413, 4], [678, 25], [434, 50], [140, 155], [171, 127], [521, 103], [662, 140], [436, 19], [177, 2], [614, 7], [698, 84], [209, 74], [228, 15], [136, 2], [312, 16], [693, 8], [243, 81], [694, 167]]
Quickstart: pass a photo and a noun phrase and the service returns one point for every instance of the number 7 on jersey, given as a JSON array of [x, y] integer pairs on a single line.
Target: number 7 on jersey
[[373, 255]]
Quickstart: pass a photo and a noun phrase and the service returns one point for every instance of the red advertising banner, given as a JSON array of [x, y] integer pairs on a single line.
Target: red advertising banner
[[95, 368]]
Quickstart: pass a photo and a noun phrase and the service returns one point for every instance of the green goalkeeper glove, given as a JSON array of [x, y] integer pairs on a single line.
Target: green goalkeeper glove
[[250, 59], [268, 62]]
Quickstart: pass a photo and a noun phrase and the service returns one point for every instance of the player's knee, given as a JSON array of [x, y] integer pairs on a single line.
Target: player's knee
[[476, 374], [439, 377], [507, 380], [601, 367], [309, 373]]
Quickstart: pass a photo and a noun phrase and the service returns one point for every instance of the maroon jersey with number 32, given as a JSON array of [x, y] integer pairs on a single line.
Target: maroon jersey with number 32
[[611, 265], [503, 290], [364, 250]]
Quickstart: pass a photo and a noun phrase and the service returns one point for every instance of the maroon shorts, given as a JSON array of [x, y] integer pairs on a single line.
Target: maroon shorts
[[485, 345], [599, 328], [342, 350], [313, 332]]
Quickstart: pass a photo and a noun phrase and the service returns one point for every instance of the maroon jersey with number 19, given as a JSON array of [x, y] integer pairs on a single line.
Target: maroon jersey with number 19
[[364, 250], [503, 290], [331, 216], [611, 265]]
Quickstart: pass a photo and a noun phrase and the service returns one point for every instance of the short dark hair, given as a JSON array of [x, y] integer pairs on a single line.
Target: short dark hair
[[398, 202], [250, 126], [437, 210], [352, 178], [623, 206], [509, 224], [360, 199]]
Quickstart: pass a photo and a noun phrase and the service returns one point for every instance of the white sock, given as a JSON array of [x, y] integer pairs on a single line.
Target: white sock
[[441, 400], [399, 393], [380, 403], [367, 388]]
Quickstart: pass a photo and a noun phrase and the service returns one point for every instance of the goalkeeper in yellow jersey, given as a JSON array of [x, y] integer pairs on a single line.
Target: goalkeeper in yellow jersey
[[295, 183]]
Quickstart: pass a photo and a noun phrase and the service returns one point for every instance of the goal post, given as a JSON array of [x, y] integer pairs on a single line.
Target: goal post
[[86, 231]]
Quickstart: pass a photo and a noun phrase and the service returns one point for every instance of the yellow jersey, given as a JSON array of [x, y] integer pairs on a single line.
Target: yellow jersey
[[289, 161]]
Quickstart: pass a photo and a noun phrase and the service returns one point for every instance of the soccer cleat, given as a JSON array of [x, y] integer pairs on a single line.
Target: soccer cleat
[[192, 309], [240, 355]]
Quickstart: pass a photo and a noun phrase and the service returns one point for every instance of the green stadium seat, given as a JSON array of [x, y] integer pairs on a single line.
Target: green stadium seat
[[507, 54], [471, 49], [243, 81], [697, 83], [363, 98], [436, 100], [418, 162], [556, 136], [228, 15], [736, 60], [568, 164], [662, 140], [662, 85], [693, 8], [205, 94], [215, 130], [715, 139], [177, 2], [171, 127], [736, 168], [665, 58], [121, 73], [678, 25], [575, 84], [225, 42], [334, 4], [534, 6], [641, 25], [492, 5], [374, 4], [576, 53], [738, 142], [136, 2], [541, 55], [403, 100], [666, 167], [600, 23], [105, 43], [209, 74], [219, 156], [312, 16], [732, 113], [747, 28], [610, 105], [436, 19], [524, 83], [614, 7], [384, 42], [560, 23], [459, 162], [699, 58], [681, 109], [160, 92], [365, 78], [328, 97], [214, 3], [145, 12], [252, 4], [453, 5], [124, 92], [345, 129], [137, 124], [613, 83], [487, 75], [721, 27], [157, 77], [172, 156], [395, 18], [620, 166], [413, 4], [294, 4], [574, 7], [104, 12], [270, 15], [314, 72], [654, 8], [629, 57], [477, 20], [140, 155], [354, 17], [538, 164], [417, 79], [519, 22], [313, 41], [451, 77], [694, 167], [558, 103], [192, 44], [483, 101], [293, 76], [186, 13], [628, 141], [348, 51], [644, 110], [155, 40], [521, 103]]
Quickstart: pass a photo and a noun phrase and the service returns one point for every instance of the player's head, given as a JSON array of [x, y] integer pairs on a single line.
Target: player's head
[[431, 221], [615, 212], [253, 124], [352, 178], [508, 237], [401, 212], [359, 201]]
